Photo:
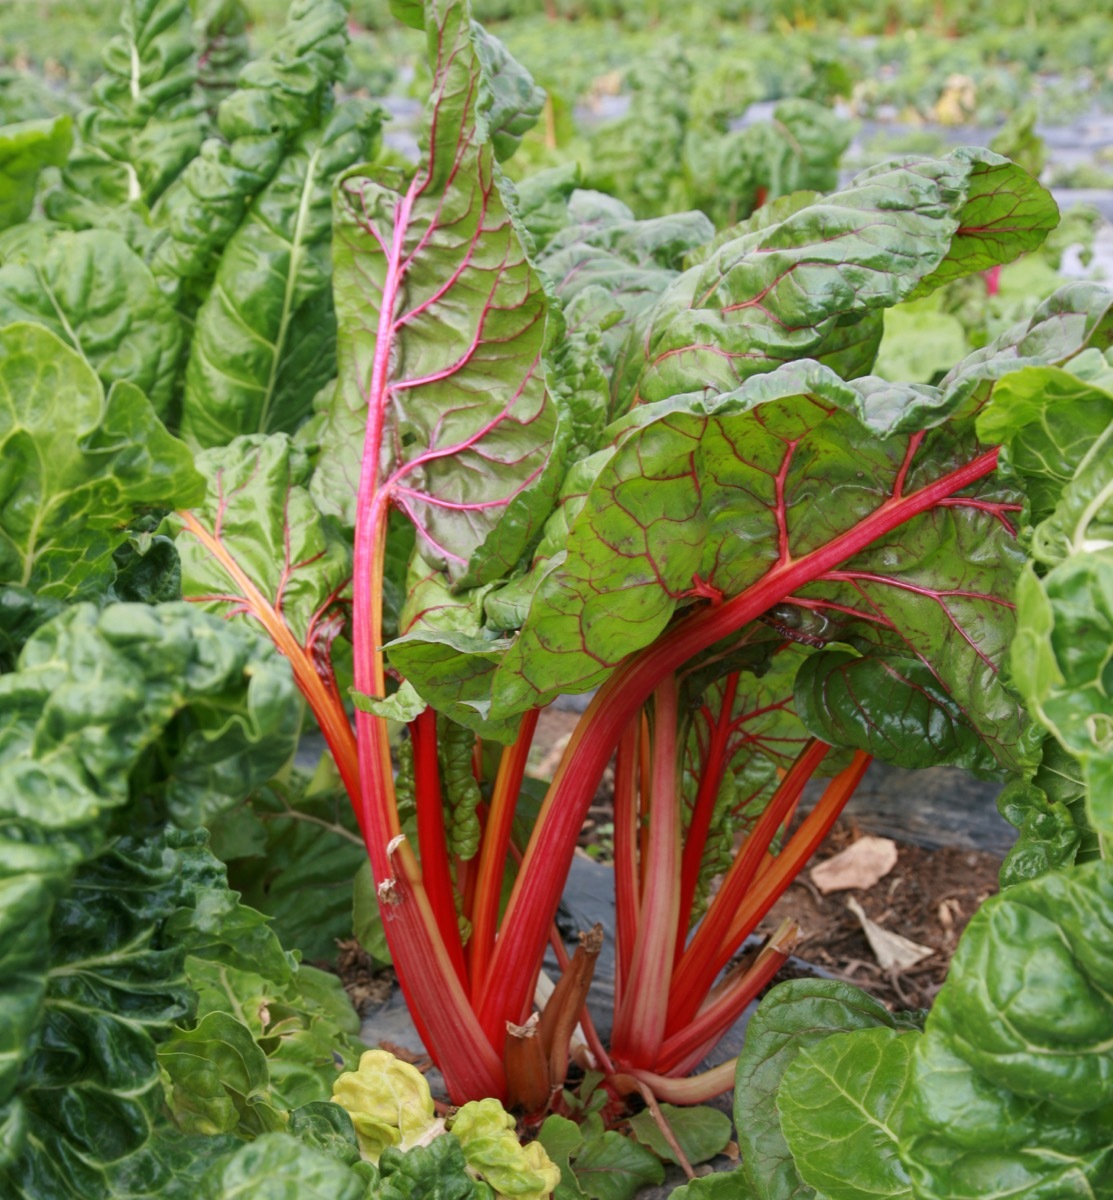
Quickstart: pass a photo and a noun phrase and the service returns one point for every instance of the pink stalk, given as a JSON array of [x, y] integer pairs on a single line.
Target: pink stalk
[[452, 1034], [537, 889], [640, 1023], [696, 972]]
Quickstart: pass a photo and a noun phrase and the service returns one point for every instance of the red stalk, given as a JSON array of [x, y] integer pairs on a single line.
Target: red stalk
[[431, 836], [640, 1023], [698, 967], [771, 882], [688, 1048], [695, 841], [537, 889], [626, 885], [495, 846]]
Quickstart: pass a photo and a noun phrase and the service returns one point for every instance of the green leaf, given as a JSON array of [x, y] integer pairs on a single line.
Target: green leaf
[[88, 1112], [723, 1185], [891, 707], [1054, 425], [562, 1140], [842, 1103], [487, 1133], [543, 201], [277, 1167], [779, 293], [292, 850], [96, 294], [278, 96], [403, 705], [649, 535], [1060, 665], [611, 1167], [264, 340], [25, 149], [1026, 1001], [701, 1131], [437, 1171], [793, 1016], [259, 510], [463, 424], [76, 465], [145, 122], [1049, 838], [509, 101], [1004, 213], [327, 1127], [919, 342], [1011, 1083], [218, 1079]]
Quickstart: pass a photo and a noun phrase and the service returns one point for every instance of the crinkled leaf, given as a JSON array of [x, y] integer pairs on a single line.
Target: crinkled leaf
[[451, 368], [327, 1127], [1048, 839], [1060, 665], [22, 611], [794, 1015], [892, 708], [218, 1079], [603, 247], [1076, 317], [842, 1102], [292, 852], [259, 511], [455, 746], [1011, 1083], [1055, 425], [403, 705], [713, 490], [220, 31], [145, 122], [95, 293], [437, 1171], [780, 292], [264, 338], [1026, 1002], [701, 1131], [148, 570], [487, 1134], [279, 95], [389, 1102], [25, 149], [1005, 213], [509, 101], [278, 1167], [543, 201], [76, 465], [90, 1097]]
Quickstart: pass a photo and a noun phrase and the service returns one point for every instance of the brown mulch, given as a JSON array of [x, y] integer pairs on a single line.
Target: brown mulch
[[928, 897], [366, 986]]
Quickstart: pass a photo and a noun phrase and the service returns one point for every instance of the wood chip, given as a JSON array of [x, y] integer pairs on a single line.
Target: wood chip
[[860, 865], [891, 950]]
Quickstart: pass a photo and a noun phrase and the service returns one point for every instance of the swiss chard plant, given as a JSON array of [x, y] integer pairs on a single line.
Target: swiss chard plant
[[675, 484], [443, 449]]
